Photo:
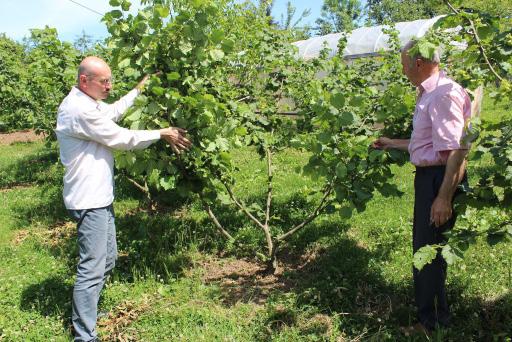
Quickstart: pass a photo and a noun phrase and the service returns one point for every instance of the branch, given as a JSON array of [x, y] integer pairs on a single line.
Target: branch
[[144, 189], [478, 41], [269, 189], [243, 98], [266, 228], [242, 207], [216, 221], [312, 216]]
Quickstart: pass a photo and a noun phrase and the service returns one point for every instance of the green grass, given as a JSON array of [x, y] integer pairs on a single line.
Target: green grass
[[354, 281]]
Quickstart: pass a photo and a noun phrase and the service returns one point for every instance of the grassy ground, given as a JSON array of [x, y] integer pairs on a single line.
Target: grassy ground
[[176, 280]]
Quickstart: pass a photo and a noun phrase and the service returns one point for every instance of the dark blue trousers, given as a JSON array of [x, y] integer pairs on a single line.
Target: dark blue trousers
[[429, 283]]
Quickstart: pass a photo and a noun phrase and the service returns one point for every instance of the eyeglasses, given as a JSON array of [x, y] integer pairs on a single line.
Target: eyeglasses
[[103, 81]]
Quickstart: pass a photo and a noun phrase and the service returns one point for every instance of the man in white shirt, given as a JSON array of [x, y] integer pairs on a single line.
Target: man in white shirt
[[87, 132]]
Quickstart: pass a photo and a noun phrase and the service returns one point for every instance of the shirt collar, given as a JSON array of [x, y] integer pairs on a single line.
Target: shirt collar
[[431, 83], [78, 92]]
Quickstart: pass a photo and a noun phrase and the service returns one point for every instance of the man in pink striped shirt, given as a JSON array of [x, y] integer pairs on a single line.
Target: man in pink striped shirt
[[436, 149]]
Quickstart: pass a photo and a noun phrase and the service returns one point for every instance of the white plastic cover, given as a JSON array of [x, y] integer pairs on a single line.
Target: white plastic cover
[[364, 41]]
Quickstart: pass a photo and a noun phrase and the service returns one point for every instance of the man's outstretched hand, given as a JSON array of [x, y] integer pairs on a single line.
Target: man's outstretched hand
[[144, 80], [176, 137], [382, 143]]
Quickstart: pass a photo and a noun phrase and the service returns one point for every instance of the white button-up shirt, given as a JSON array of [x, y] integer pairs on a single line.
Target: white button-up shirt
[[87, 133]]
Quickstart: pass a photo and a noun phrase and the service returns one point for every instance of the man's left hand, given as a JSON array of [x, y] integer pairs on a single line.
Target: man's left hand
[[441, 211]]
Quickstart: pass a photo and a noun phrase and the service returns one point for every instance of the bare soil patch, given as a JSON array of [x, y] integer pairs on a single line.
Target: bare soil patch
[[56, 234], [247, 281], [20, 136], [115, 327], [16, 187], [20, 236]]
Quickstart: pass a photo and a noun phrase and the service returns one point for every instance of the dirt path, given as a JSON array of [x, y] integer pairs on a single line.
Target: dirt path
[[20, 136]]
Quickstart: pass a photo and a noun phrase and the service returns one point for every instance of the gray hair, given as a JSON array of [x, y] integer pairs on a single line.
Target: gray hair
[[436, 58], [82, 70]]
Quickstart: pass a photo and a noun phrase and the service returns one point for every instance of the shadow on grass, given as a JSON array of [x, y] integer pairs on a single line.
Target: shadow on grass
[[478, 319], [51, 297], [34, 168]]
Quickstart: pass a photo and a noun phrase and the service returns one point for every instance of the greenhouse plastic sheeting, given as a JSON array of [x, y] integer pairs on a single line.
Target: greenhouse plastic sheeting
[[364, 41]]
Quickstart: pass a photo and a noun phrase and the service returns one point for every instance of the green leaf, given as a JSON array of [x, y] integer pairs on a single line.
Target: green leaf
[[124, 63], [228, 45], [114, 3], [346, 212], [216, 54], [131, 72], [154, 177], [197, 3], [116, 14], [211, 147], [162, 11], [427, 50], [137, 125], [375, 154], [224, 198], [449, 255], [341, 170], [356, 101], [126, 5], [217, 36], [423, 256], [241, 131], [324, 137], [173, 76], [158, 91], [346, 119], [167, 182], [338, 100], [153, 108], [185, 47], [494, 238], [135, 115]]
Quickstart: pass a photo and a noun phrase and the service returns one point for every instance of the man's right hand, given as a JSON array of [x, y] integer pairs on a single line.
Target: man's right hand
[[382, 143], [176, 137]]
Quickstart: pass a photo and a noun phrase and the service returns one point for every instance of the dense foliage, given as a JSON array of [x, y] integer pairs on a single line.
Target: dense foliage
[[51, 64], [14, 95], [35, 78], [225, 74]]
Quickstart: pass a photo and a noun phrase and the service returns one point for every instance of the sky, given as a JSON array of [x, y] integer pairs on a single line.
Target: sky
[[70, 19]]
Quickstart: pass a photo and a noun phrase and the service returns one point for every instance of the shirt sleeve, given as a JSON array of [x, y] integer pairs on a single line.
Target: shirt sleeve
[[116, 110], [447, 115], [94, 125]]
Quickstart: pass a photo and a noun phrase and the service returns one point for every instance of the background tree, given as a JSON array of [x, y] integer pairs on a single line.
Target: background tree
[[84, 43], [289, 23], [381, 11], [339, 15], [52, 67], [14, 97]]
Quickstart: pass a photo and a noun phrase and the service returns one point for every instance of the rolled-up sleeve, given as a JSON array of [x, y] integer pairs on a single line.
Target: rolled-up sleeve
[[94, 126], [447, 115], [116, 110]]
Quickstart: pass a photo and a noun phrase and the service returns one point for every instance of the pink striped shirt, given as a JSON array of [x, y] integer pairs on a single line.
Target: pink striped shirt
[[442, 109]]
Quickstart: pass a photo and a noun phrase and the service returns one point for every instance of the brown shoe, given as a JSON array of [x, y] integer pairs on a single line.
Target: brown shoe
[[416, 329]]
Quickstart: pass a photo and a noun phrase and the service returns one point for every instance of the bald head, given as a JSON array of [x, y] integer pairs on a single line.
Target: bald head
[[95, 78], [92, 65]]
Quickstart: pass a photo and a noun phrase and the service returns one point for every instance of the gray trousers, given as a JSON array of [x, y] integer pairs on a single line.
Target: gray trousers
[[97, 250]]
